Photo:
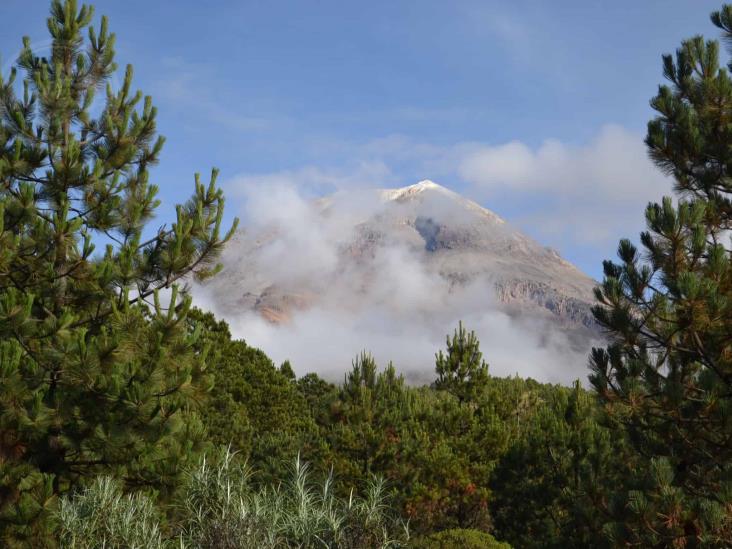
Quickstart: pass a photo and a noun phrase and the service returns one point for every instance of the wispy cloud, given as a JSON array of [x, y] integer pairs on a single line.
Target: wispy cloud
[[389, 300], [567, 195], [589, 194], [196, 89], [310, 181]]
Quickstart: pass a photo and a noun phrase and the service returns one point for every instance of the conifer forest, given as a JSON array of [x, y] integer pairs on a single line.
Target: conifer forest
[[131, 417]]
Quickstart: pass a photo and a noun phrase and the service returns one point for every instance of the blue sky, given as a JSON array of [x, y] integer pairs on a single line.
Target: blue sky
[[534, 109]]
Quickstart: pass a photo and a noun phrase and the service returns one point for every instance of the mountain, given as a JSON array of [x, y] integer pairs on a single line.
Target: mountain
[[421, 253]]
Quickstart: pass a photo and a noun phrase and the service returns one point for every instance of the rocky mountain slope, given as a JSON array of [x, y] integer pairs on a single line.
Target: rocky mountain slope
[[372, 238]]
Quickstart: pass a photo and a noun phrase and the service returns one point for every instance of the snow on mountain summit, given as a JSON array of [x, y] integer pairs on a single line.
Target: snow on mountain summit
[[427, 191], [413, 190]]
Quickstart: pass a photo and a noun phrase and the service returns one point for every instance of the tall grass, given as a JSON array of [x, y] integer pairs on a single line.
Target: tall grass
[[102, 516], [220, 508]]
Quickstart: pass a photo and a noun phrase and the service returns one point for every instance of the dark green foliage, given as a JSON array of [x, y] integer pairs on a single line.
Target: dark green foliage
[[436, 451], [370, 408], [666, 380], [550, 487], [287, 371], [318, 394], [455, 449], [223, 410], [461, 371], [96, 375], [253, 407], [463, 539]]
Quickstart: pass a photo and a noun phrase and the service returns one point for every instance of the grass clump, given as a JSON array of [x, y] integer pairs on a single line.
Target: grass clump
[[221, 508]]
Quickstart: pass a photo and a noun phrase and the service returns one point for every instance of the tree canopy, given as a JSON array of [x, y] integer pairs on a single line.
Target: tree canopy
[[129, 417], [96, 373], [665, 379]]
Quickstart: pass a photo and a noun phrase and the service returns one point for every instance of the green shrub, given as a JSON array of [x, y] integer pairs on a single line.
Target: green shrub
[[459, 538]]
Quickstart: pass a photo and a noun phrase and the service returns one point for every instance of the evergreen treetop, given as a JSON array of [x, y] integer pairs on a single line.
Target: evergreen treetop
[[95, 373], [461, 370], [666, 378]]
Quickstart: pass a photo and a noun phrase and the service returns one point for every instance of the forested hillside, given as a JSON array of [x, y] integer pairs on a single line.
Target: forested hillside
[[130, 418]]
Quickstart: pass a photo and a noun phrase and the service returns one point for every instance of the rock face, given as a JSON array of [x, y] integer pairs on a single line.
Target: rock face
[[451, 240]]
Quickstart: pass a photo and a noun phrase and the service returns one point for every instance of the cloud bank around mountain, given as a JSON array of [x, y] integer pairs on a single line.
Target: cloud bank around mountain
[[564, 195], [392, 305], [578, 198]]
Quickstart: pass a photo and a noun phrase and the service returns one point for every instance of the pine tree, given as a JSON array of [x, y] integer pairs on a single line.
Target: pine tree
[[253, 408], [666, 379], [370, 409], [96, 374], [462, 370], [549, 489]]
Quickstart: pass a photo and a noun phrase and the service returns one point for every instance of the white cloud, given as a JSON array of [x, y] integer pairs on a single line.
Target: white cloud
[[391, 303], [577, 195], [326, 339], [614, 165], [312, 181], [491, 167], [567, 196]]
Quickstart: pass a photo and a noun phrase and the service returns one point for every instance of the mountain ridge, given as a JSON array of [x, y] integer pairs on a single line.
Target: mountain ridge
[[452, 236], [315, 281]]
